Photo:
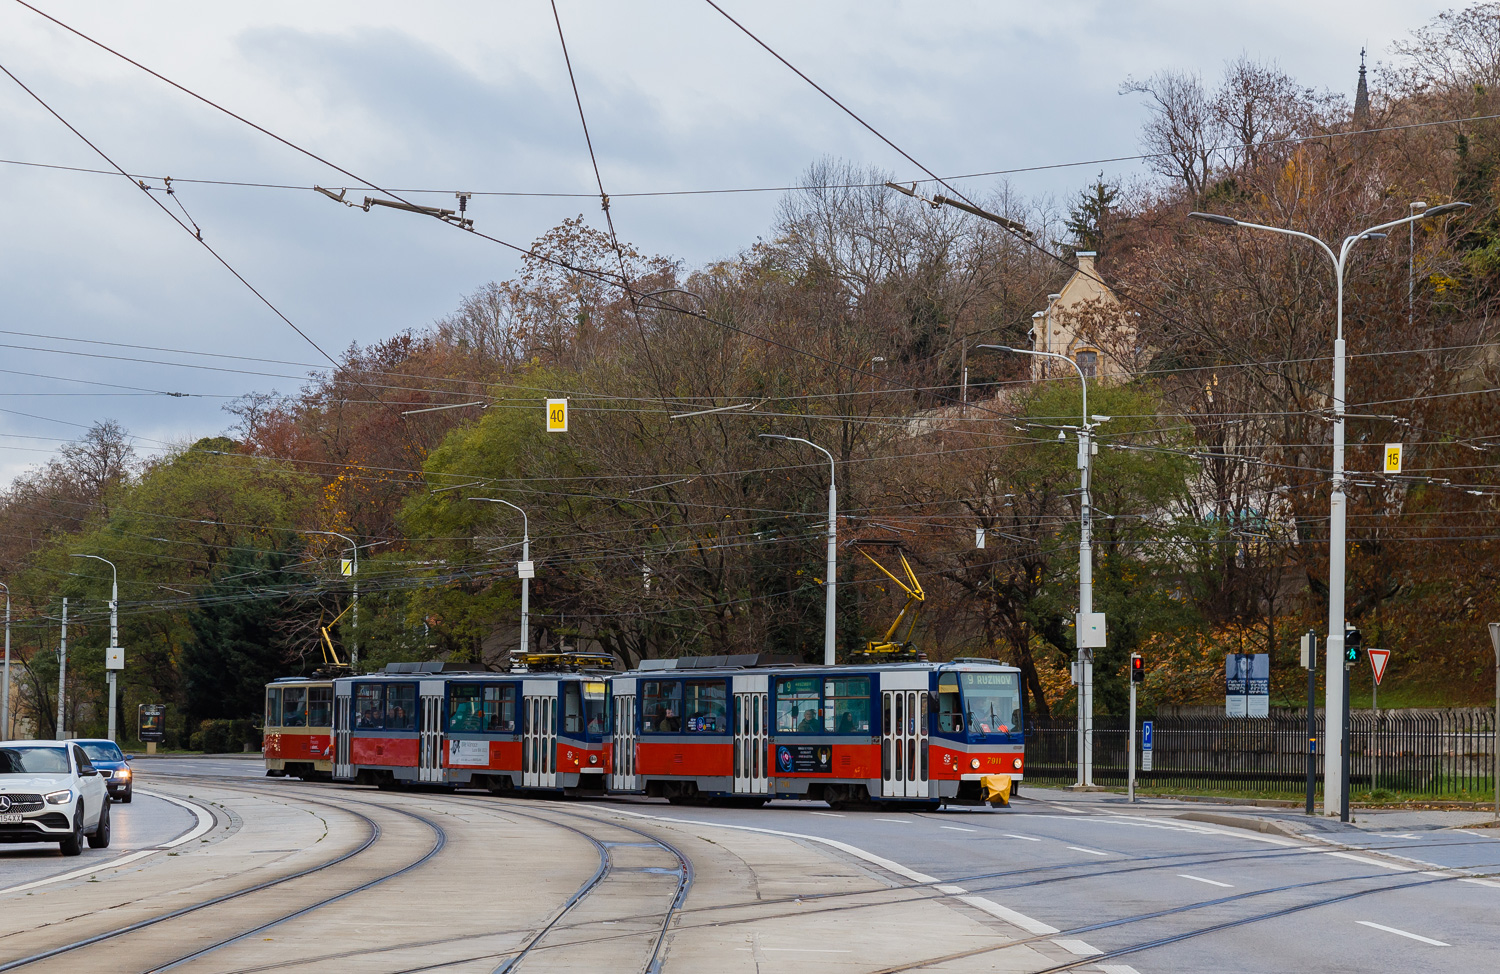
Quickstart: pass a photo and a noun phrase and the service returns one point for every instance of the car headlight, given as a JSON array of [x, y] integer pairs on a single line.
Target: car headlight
[[123, 773], [60, 797]]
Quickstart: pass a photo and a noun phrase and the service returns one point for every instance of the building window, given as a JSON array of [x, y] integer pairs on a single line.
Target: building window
[[1089, 363]]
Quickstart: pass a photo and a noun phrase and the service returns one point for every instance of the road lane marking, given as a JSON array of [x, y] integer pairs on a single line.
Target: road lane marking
[[1026, 838], [898, 821], [1370, 862], [799, 950], [1008, 915], [204, 817], [1403, 933], [825, 815], [1482, 882], [1118, 969], [1077, 947], [955, 828], [1092, 852], [1211, 882], [979, 902]]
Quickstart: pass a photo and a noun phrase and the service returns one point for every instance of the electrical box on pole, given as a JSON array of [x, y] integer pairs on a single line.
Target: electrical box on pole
[[1309, 650]]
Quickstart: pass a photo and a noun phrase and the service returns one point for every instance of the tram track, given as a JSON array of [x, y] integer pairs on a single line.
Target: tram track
[[109, 938], [563, 932]]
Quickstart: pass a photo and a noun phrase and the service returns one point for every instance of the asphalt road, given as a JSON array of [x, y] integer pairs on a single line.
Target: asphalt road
[[145, 823], [1152, 891]]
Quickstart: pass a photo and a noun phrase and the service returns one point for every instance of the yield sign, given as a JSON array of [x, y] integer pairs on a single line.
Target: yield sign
[[1378, 659]]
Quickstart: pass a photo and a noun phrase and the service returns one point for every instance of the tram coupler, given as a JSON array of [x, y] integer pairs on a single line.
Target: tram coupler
[[995, 789]]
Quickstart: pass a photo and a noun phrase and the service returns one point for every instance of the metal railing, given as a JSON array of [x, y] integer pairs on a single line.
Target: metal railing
[[1419, 752]]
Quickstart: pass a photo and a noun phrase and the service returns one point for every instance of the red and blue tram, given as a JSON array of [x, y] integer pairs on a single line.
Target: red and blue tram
[[428, 723], [704, 728], [297, 738]]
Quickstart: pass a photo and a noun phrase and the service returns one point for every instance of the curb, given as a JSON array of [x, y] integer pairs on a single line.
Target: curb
[[1242, 822]]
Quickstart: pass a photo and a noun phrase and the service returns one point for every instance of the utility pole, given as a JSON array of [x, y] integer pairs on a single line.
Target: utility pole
[[1335, 690], [831, 571], [114, 660], [354, 574], [1089, 625], [525, 569], [1310, 661], [62, 670], [5, 680]]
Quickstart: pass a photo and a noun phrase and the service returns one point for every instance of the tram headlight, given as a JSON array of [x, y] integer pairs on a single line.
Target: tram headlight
[[1016, 764], [593, 759], [974, 764]]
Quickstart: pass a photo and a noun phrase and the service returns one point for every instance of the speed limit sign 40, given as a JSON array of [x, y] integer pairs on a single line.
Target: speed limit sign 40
[[557, 415]]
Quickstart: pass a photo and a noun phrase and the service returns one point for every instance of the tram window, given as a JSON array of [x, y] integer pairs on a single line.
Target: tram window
[[369, 706], [797, 710], [294, 707], [595, 707], [705, 708], [320, 706], [848, 705], [950, 710], [572, 713], [273, 707], [661, 706], [500, 708], [992, 702], [401, 707], [464, 708]]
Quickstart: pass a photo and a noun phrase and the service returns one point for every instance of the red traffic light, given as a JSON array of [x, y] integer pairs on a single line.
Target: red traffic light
[[1137, 668]]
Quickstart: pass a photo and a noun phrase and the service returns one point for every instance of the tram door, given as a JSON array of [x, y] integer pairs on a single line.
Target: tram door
[[622, 752], [903, 735], [539, 734], [430, 732], [751, 739], [343, 698]]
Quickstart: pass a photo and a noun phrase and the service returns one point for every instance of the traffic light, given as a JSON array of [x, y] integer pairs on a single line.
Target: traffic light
[[1352, 640], [1137, 668]]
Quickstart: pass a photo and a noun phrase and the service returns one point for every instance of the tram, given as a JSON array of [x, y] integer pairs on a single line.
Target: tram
[[539, 727], [914, 733], [297, 738], [731, 729]]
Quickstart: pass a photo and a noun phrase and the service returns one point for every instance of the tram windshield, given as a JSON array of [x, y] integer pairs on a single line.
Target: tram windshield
[[992, 703], [595, 698]]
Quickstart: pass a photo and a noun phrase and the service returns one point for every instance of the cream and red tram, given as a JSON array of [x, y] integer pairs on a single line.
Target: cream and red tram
[[297, 738]]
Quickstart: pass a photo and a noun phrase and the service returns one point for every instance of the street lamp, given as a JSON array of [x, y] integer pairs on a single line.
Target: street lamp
[[5, 679], [113, 660], [831, 598], [353, 573], [525, 569], [1335, 788], [1089, 627]]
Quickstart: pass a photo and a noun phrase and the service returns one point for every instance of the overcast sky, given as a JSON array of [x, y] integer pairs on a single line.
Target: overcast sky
[[475, 96]]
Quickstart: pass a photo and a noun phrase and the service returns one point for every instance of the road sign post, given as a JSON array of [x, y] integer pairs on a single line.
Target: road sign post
[[1378, 660], [1393, 458], [1495, 745], [1147, 733], [557, 415], [1310, 662]]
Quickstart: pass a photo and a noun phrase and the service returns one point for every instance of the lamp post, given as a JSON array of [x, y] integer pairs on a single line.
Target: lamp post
[[1335, 788], [354, 573], [5, 678], [830, 599], [1089, 627], [1411, 263], [525, 569], [112, 661]]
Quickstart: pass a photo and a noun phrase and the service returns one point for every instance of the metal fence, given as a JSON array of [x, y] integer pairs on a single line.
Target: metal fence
[[1420, 752]]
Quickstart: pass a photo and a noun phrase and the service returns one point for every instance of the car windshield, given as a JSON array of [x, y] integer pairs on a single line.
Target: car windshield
[[33, 760], [102, 751]]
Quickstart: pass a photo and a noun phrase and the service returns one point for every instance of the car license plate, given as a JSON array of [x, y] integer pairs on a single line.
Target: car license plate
[[10, 818]]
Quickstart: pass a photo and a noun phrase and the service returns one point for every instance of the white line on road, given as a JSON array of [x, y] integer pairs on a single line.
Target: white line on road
[[898, 821], [1211, 882], [979, 902], [799, 950], [1118, 969], [827, 814], [1027, 838], [1078, 947], [1403, 933], [1370, 862], [955, 828], [1481, 882], [1092, 852]]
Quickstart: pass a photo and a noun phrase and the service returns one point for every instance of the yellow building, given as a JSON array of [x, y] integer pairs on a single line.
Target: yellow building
[[1085, 322]]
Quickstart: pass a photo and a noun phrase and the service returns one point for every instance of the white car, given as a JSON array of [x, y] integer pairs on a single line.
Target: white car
[[49, 792]]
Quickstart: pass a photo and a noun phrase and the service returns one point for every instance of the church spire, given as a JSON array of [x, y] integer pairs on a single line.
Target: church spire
[[1362, 97]]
